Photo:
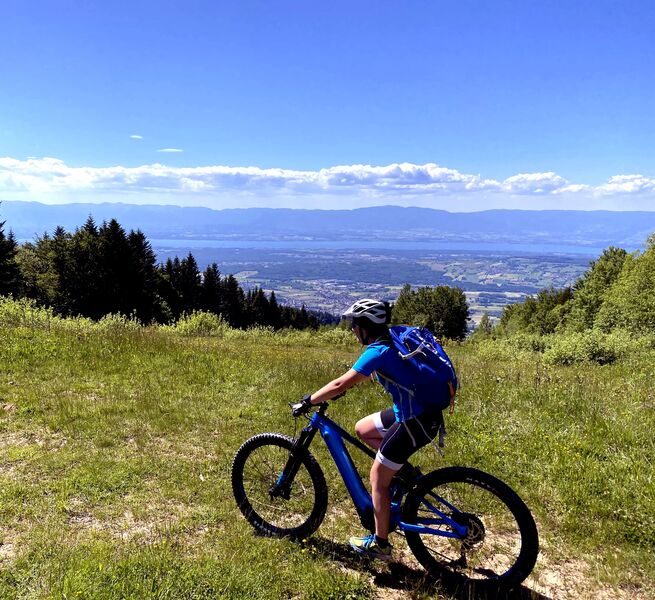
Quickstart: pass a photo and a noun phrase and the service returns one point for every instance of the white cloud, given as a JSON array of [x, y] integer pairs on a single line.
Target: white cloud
[[535, 183], [170, 150], [339, 186], [136, 136], [628, 184]]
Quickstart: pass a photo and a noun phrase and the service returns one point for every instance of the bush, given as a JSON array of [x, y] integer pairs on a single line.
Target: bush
[[335, 336], [589, 346], [528, 341], [200, 323], [24, 313], [118, 323]]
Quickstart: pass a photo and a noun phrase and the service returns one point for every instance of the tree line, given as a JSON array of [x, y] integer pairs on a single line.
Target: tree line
[[100, 270], [617, 292]]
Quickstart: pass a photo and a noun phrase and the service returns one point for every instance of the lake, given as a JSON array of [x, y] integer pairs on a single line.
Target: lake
[[378, 245]]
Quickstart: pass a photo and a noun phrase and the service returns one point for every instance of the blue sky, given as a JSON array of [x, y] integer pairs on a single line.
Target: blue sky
[[460, 105]]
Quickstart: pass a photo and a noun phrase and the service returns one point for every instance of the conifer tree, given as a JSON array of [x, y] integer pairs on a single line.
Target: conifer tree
[[188, 284], [171, 301], [210, 297], [234, 301], [258, 307], [9, 271], [83, 277], [58, 249], [273, 316], [114, 254], [302, 318], [143, 279]]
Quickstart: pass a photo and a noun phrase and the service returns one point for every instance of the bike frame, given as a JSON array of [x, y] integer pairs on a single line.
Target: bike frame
[[334, 437]]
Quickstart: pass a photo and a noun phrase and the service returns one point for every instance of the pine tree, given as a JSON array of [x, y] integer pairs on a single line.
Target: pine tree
[[302, 318], [9, 272], [114, 256], [84, 275], [59, 255], [170, 299], [210, 297], [189, 284], [234, 301], [273, 316], [257, 307], [143, 279]]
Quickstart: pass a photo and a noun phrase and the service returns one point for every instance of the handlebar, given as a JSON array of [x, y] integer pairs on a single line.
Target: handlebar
[[299, 409]]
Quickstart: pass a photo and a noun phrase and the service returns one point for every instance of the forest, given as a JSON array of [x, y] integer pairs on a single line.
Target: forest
[[102, 270]]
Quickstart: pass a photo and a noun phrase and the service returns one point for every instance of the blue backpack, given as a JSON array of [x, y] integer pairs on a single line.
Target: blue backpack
[[434, 374]]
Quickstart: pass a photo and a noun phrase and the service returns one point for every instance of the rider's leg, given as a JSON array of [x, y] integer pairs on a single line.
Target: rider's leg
[[380, 479], [372, 429], [368, 432]]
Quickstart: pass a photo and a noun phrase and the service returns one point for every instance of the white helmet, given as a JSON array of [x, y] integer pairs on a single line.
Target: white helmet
[[374, 310]]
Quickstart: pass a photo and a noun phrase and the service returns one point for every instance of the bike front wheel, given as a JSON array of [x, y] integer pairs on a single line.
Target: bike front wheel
[[500, 543], [296, 512]]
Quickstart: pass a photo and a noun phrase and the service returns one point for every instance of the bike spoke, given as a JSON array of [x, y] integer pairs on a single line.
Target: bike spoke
[[493, 542], [261, 472]]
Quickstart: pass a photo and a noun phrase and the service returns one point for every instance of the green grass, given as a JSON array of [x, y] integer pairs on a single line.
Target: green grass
[[116, 445]]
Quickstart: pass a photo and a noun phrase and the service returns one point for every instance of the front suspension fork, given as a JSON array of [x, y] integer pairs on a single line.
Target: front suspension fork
[[282, 487]]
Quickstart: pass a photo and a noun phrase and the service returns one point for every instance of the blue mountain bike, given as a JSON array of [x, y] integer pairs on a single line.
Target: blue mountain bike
[[456, 519]]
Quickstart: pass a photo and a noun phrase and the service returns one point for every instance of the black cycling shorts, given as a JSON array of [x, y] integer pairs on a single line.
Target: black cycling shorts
[[401, 440]]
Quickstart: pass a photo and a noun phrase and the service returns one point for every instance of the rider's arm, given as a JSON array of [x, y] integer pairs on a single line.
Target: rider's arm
[[338, 386]]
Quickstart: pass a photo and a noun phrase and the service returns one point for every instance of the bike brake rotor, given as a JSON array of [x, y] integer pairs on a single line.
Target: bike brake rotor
[[476, 531]]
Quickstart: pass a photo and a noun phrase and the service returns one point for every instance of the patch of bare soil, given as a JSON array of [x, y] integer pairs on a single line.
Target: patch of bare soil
[[563, 579], [568, 578], [573, 578], [183, 449], [126, 526], [7, 552], [43, 439]]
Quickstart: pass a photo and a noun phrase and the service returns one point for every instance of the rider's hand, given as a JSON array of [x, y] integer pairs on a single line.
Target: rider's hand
[[302, 407]]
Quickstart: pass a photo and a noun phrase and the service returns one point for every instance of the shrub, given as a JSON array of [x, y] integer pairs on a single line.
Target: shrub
[[588, 346], [200, 323], [528, 341], [335, 336], [118, 323], [24, 313]]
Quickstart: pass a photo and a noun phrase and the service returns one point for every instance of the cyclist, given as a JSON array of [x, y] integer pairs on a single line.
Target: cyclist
[[396, 433]]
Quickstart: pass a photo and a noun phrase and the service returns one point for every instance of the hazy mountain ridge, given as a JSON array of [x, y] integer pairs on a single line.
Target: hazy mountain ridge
[[593, 228]]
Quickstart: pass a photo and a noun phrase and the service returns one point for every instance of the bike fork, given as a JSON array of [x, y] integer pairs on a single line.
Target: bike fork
[[284, 482]]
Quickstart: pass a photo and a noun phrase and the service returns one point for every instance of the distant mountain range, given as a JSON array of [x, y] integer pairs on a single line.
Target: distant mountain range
[[584, 228]]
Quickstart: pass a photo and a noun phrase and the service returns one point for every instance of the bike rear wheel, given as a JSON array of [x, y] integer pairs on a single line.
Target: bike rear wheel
[[501, 544], [256, 470]]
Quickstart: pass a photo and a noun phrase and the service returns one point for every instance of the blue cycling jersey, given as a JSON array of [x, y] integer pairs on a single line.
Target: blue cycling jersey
[[395, 377]]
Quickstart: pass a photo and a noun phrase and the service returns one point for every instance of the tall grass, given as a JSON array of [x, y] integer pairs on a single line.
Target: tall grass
[[116, 442]]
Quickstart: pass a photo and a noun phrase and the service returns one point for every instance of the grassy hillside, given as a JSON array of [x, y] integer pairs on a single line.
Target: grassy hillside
[[116, 444]]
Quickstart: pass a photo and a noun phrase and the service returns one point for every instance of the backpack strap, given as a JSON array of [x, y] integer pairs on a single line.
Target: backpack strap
[[418, 350]]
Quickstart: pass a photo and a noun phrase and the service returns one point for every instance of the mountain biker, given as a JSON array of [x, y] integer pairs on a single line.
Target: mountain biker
[[396, 433]]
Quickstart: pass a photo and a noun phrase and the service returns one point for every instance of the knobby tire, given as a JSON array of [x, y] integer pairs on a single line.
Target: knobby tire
[[504, 544], [255, 469]]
